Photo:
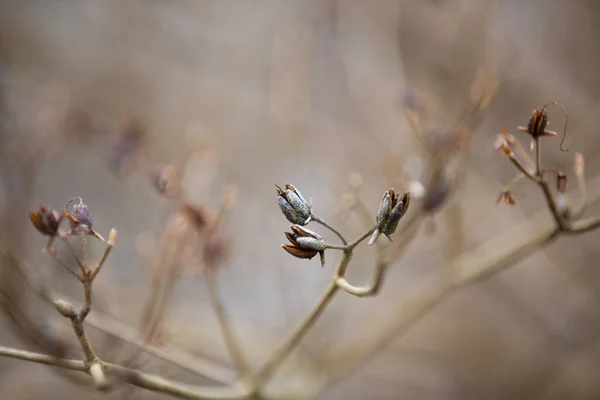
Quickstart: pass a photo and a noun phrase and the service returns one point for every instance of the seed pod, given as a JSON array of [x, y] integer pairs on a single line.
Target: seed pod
[[538, 122], [391, 210], [295, 208], [80, 214], [45, 220], [305, 244]]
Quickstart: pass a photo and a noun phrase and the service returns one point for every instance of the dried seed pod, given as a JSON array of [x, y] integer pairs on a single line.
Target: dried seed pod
[[46, 220], [391, 210], [305, 244], [295, 208], [80, 214], [538, 122]]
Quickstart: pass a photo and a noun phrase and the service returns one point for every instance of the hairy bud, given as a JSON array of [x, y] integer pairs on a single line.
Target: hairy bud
[[295, 208], [65, 309], [80, 214], [391, 209]]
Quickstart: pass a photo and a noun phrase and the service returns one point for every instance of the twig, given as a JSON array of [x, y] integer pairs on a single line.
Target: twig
[[231, 343], [273, 362], [140, 379], [321, 221]]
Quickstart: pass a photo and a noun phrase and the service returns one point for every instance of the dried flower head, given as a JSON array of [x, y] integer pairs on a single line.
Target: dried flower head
[[46, 220], [305, 244], [538, 122], [80, 214], [295, 208], [80, 219], [506, 197], [391, 209]]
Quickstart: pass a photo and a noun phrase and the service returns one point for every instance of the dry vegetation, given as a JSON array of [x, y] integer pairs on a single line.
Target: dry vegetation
[[173, 120]]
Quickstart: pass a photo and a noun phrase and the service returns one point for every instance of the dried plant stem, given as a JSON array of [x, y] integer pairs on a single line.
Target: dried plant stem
[[143, 380], [279, 356], [481, 264], [231, 343], [321, 221]]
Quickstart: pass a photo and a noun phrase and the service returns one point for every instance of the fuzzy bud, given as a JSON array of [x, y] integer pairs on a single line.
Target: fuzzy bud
[[65, 309], [295, 208], [391, 209], [80, 214]]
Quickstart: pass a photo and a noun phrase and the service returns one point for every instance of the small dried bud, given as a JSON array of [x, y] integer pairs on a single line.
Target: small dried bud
[[295, 208], [305, 244], [45, 220], [506, 197], [80, 214], [391, 209], [561, 182], [65, 309], [538, 122], [112, 237]]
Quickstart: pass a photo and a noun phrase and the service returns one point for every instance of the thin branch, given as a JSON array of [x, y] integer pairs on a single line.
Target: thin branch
[[52, 253], [234, 349], [73, 253], [358, 241], [109, 245], [140, 379], [321, 221], [270, 366], [369, 290]]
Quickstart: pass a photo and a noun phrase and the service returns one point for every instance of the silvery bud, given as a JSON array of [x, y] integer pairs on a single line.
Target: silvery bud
[[65, 309], [391, 209], [305, 244], [295, 208]]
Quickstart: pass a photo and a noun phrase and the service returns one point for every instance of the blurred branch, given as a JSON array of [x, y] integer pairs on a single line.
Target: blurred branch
[[484, 262], [231, 343], [140, 379]]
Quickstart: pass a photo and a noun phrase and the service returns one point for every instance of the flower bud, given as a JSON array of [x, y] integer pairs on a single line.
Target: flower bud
[[295, 208], [305, 244], [45, 220], [65, 309], [391, 209]]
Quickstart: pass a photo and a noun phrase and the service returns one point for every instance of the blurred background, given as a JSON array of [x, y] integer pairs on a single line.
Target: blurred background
[[94, 94]]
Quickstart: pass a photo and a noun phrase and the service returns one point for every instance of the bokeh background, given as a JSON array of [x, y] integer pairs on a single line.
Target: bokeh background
[[306, 92]]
